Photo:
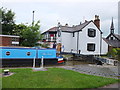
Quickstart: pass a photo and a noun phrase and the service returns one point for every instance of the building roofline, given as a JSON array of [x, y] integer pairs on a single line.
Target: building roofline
[[9, 36], [113, 35], [86, 25], [83, 27], [88, 22], [97, 27]]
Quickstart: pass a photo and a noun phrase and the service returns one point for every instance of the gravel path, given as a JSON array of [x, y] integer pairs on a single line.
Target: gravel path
[[105, 71], [115, 85]]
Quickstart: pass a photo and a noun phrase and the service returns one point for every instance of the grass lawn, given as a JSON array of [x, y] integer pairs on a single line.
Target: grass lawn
[[53, 78]]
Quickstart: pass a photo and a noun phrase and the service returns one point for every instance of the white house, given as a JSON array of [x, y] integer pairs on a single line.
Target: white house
[[85, 38]]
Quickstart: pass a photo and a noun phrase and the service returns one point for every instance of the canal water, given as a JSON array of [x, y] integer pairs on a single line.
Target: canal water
[[70, 63], [73, 61]]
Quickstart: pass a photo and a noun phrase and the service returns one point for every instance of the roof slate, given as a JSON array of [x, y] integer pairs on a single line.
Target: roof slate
[[117, 35], [68, 28], [114, 43]]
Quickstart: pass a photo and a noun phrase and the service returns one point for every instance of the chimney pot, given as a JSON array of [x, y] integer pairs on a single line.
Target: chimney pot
[[85, 20], [97, 21], [59, 24], [80, 23], [66, 24]]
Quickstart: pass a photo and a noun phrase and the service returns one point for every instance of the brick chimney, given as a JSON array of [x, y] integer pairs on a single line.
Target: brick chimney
[[97, 21]]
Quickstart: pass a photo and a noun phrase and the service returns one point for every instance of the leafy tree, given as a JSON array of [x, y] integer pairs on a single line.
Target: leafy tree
[[118, 53], [114, 53], [45, 45], [30, 35], [7, 21], [18, 29]]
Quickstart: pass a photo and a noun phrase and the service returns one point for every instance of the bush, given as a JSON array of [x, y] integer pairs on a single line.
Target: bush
[[114, 53]]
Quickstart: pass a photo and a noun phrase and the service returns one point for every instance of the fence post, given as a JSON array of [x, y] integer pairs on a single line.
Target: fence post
[[34, 62], [41, 62]]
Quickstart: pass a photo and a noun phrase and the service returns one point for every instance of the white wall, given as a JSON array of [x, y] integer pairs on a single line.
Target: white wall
[[104, 47], [66, 41], [84, 39], [70, 42], [74, 43]]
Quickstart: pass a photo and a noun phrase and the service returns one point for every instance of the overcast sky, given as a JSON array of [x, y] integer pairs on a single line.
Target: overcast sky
[[50, 12]]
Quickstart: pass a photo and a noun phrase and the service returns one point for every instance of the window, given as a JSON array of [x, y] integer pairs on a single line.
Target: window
[[111, 38], [28, 53], [59, 33], [7, 53], [91, 47], [51, 35], [91, 32], [73, 34]]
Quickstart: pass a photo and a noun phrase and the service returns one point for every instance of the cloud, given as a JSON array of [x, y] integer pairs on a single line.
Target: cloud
[[72, 12], [59, 1]]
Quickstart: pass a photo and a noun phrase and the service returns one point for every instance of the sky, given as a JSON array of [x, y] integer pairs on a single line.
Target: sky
[[72, 12]]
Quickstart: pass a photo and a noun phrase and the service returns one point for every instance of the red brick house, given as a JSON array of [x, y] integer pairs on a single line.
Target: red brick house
[[9, 40]]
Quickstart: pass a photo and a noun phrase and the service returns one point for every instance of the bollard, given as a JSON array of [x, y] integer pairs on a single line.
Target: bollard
[[6, 72]]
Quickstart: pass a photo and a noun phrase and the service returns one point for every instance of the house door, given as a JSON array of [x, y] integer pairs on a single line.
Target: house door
[[58, 48]]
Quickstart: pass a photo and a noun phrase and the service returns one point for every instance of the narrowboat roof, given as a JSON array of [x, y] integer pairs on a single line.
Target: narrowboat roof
[[24, 48]]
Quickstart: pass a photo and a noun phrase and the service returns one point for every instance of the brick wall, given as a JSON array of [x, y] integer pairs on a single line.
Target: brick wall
[[5, 41]]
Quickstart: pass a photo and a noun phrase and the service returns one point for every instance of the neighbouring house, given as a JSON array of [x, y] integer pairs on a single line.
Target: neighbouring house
[[9, 40], [50, 36], [113, 40], [85, 38]]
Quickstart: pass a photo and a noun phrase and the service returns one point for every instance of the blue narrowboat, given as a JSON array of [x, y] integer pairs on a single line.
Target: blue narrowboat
[[17, 56]]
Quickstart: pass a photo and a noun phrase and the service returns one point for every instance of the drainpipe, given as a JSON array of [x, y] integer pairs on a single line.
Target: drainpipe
[[100, 42], [77, 42]]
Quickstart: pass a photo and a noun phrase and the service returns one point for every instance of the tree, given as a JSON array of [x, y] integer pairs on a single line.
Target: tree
[[114, 53], [118, 54], [7, 21], [18, 29], [30, 35]]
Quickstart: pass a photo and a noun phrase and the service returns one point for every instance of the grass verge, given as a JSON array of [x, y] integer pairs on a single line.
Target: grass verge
[[53, 78]]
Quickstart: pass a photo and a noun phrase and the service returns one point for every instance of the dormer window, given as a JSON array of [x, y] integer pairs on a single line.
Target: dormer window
[[91, 32]]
